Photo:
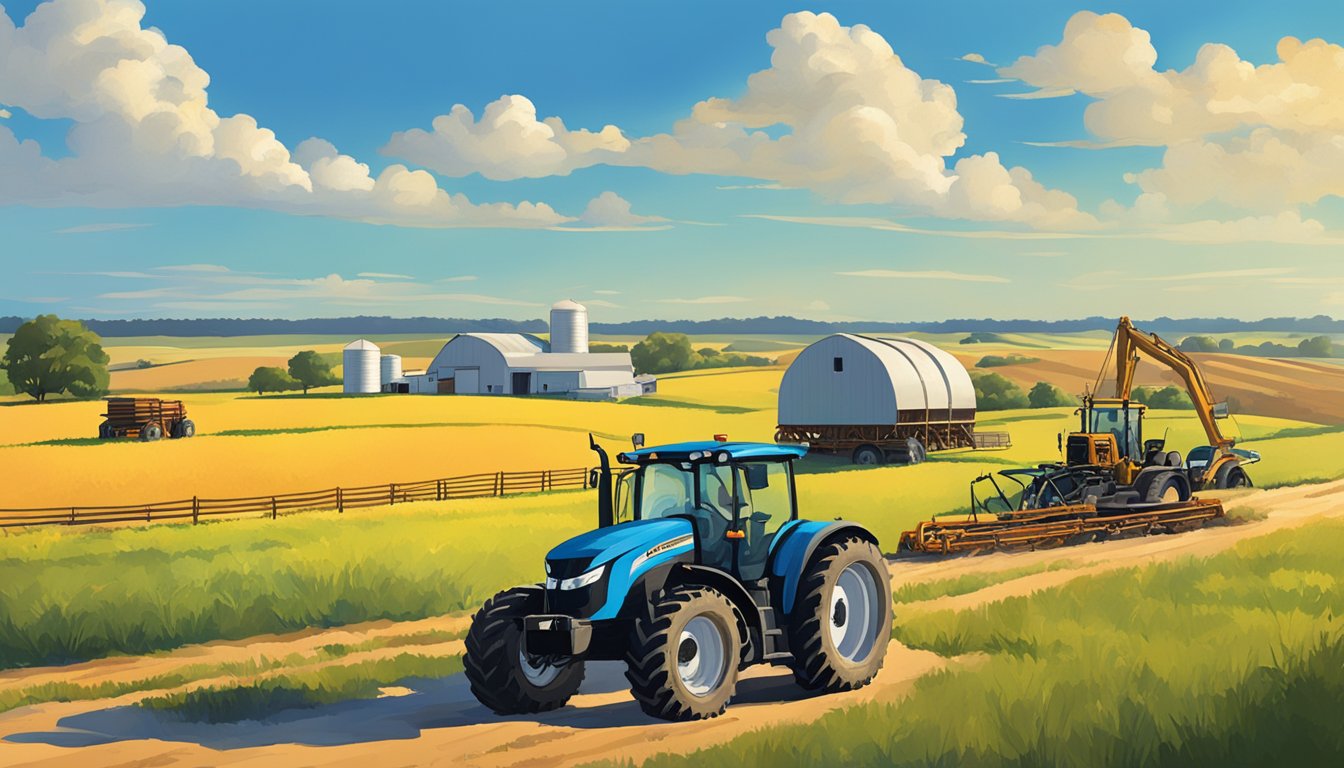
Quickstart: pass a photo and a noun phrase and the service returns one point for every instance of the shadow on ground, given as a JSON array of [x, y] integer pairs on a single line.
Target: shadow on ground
[[440, 703]]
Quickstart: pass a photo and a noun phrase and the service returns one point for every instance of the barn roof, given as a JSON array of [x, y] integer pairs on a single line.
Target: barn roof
[[878, 379]]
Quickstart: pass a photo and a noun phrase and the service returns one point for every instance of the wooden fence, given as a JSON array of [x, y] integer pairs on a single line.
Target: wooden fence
[[339, 499]]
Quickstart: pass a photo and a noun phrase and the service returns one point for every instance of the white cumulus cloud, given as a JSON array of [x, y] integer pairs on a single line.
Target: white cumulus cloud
[[860, 127], [144, 134]]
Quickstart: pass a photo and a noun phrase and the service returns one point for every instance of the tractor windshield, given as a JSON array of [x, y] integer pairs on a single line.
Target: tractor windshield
[[753, 498], [1125, 423]]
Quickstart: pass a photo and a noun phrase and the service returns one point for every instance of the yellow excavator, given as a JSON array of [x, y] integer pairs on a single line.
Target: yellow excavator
[[1112, 428], [1112, 481]]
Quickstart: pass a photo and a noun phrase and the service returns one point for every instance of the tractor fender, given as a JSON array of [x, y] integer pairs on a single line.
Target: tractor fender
[[726, 584], [793, 548]]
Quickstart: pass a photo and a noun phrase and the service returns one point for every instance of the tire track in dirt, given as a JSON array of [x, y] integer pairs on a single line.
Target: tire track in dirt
[[441, 724]]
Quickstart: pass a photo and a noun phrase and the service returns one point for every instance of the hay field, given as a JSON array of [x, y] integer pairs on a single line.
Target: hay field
[[248, 445]]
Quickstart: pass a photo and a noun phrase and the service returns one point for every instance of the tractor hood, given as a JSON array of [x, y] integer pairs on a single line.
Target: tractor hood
[[606, 544]]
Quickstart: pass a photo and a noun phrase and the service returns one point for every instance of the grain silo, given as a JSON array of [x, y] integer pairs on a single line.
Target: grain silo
[[869, 398], [569, 327], [360, 359], [389, 368]]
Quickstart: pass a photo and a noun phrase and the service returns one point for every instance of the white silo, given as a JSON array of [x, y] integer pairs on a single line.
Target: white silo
[[389, 369], [569, 327], [361, 367]]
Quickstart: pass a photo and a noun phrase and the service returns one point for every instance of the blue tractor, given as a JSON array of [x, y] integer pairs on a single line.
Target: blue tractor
[[699, 568]]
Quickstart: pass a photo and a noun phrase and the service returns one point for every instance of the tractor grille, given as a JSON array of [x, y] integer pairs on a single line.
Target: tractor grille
[[579, 603]]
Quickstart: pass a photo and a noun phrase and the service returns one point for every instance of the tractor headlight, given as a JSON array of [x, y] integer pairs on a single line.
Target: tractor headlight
[[585, 579], [551, 582]]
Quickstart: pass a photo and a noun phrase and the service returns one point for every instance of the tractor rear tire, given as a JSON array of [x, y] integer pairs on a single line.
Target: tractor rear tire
[[1232, 476], [1166, 487], [502, 676], [868, 456], [841, 622], [684, 655]]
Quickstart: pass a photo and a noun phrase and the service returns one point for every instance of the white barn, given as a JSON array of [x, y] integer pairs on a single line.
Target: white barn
[[522, 364], [847, 379]]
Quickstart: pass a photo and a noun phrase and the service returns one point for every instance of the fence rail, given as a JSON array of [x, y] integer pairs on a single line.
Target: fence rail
[[339, 499]]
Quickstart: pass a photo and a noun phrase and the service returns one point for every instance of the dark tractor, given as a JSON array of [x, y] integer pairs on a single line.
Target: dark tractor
[[699, 568]]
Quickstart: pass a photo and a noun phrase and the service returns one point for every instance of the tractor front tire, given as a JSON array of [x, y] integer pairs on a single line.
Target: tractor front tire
[[501, 674], [1231, 475], [684, 653], [841, 621]]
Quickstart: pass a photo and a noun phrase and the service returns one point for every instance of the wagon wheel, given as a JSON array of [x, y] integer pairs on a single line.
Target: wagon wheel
[[151, 432]]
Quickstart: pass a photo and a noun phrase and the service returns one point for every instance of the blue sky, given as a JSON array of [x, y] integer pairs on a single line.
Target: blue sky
[[847, 181]]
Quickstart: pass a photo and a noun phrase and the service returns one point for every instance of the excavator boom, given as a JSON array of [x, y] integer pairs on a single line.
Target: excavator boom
[[1130, 341]]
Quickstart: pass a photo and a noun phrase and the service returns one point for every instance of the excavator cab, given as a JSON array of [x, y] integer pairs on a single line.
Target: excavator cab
[[1111, 436]]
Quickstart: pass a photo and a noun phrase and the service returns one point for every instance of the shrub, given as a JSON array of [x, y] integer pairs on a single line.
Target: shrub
[[1198, 344], [270, 379], [1163, 397], [994, 392], [998, 361], [1047, 395]]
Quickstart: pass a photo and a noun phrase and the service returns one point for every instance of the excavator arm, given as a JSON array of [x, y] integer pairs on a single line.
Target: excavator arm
[[1130, 341]]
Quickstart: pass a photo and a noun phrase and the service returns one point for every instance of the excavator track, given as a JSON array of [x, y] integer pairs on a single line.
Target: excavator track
[[1056, 526]]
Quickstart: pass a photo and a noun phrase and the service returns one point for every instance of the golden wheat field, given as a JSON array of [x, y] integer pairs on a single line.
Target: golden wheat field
[[248, 445]]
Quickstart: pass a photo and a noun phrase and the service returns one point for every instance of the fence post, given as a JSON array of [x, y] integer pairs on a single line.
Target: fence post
[[72, 515], [499, 484], [149, 514], [391, 493], [274, 510], [195, 510], [340, 502]]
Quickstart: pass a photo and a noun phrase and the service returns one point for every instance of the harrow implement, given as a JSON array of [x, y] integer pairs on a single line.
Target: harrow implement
[[1054, 506]]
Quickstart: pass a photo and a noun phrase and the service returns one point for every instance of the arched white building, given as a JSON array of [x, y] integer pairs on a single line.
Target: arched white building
[[907, 387]]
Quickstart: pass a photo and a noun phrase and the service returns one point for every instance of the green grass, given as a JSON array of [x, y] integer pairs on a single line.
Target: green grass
[[971, 582], [67, 596], [301, 689], [65, 690], [1233, 660]]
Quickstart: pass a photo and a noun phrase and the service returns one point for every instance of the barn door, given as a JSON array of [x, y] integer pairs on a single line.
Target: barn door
[[522, 383]]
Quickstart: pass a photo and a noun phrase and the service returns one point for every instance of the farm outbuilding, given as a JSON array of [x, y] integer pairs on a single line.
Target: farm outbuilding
[[848, 391], [359, 362], [523, 364]]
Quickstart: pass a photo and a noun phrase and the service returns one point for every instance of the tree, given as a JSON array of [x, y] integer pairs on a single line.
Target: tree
[[50, 356], [1316, 346], [271, 379], [1227, 345], [995, 392], [664, 353], [1198, 344], [1047, 395], [308, 369], [1162, 397]]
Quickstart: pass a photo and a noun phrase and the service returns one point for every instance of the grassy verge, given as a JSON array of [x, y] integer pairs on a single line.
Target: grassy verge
[[41, 693], [971, 582], [1233, 660], [303, 689], [68, 596]]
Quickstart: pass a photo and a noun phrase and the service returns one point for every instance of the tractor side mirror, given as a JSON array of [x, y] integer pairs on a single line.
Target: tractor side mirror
[[594, 477], [637, 440], [758, 476]]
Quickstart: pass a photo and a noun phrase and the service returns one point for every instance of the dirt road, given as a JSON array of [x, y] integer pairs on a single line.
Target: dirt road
[[439, 723]]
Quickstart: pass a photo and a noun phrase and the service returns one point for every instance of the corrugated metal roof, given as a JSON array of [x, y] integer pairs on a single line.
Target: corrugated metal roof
[[879, 379], [510, 343], [573, 361], [362, 344]]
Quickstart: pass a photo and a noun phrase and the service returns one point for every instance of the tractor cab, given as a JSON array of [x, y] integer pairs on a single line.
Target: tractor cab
[[737, 497]]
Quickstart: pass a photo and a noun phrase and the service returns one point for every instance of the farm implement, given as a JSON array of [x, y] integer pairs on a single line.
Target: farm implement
[[145, 418], [699, 567], [1112, 481]]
